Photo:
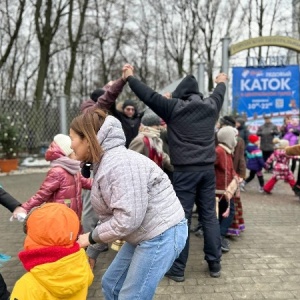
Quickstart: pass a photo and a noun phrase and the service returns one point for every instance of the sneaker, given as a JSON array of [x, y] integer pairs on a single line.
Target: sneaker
[[225, 245], [261, 189], [175, 277], [199, 232], [214, 269], [242, 186]]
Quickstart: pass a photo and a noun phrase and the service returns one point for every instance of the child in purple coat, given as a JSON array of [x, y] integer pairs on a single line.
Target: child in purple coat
[[255, 162]]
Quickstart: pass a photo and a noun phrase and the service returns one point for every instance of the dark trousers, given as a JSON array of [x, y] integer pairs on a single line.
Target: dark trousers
[[259, 177], [198, 186], [4, 293], [225, 222]]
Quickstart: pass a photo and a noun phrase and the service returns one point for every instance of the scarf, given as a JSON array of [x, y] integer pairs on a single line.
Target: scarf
[[154, 138]]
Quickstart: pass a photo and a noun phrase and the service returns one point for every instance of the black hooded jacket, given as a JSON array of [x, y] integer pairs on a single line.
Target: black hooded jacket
[[190, 118]]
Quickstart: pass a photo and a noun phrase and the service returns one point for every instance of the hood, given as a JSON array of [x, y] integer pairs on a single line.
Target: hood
[[187, 87], [111, 134], [54, 152], [87, 104]]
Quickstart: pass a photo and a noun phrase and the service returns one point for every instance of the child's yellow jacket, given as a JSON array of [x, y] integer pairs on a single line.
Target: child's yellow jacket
[[66, 278]]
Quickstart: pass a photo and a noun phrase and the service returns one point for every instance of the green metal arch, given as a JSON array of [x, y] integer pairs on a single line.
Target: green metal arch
[[279, 41]]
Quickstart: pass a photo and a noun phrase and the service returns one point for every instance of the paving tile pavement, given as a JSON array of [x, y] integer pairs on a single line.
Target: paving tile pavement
[[263, 263]]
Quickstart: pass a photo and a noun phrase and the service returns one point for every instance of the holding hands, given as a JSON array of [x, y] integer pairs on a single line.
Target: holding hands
[[127, 71], [222, 77]]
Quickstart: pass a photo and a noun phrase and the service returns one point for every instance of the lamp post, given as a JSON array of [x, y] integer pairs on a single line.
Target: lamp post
[[225, 69]]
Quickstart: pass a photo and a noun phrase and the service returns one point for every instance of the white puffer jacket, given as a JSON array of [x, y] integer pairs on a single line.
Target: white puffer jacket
[[133, 197]]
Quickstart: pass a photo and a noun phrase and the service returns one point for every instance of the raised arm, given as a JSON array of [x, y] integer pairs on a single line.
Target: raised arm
[[162, 106], [108, 99]]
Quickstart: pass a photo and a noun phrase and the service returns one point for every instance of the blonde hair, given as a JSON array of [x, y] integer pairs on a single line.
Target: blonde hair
[[87, 126]]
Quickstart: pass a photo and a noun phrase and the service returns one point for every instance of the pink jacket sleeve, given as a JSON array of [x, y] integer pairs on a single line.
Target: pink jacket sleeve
[[50, 185], [86, 183]]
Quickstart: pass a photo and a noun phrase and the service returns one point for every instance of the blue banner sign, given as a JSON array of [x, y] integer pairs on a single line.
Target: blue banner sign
[[270, 91]]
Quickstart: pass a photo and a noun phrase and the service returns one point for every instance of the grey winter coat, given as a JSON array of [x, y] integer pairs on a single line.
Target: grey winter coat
[[133, 197]]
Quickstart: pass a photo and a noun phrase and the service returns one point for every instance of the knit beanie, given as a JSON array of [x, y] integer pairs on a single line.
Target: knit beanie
[[64, 143], [96, 94], [227, 120], [51, 224], [253, 138], [128, 103], [227, 135], [151, 119], [241, 121]]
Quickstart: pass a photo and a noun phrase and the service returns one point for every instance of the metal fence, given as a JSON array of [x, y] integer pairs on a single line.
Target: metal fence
[[38, 125]]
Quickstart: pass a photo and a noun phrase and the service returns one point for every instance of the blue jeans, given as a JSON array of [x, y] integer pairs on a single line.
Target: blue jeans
[[137, 270], [200, 187]]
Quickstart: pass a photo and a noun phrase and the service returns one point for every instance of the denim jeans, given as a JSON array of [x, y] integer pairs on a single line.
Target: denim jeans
[[137, 270], [198, 186]]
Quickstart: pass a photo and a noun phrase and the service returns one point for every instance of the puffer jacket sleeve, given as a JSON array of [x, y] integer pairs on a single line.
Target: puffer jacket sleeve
[[86, 183], [269, 161], [127, 198], [50, 185]]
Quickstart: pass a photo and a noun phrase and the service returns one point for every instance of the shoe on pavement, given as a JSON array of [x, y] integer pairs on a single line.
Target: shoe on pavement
[[225, 245], [261, 189], [267, 193], [196, 228], [214, 269], [199, 232], [175, 277], [242, 186]]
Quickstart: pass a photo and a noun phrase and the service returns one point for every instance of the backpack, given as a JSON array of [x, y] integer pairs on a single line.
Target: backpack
[[153, 154]]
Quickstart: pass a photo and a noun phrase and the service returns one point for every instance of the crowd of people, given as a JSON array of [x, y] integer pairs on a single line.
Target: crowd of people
[[134, 178]]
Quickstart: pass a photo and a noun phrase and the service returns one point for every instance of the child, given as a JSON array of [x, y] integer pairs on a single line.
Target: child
[[227, 140], [56, 266], [63, 183], [280, 161], [255, 162]]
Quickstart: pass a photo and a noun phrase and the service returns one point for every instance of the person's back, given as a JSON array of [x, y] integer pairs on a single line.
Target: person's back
[[191, 120], [56, 266], [255, 160]]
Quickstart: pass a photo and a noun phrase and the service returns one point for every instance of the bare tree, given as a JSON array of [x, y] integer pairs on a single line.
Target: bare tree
[[47, 19], [10, 26], [74, 41]]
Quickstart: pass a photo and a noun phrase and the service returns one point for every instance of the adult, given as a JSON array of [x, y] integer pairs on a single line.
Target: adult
[[13, 206], [128, 114], [242, 128], [267, 132], [130, 119], [135, 202], [191, 123], [149, 143], [105, 99]]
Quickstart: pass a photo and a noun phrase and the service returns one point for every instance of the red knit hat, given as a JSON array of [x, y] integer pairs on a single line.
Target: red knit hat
[[253, 138]]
